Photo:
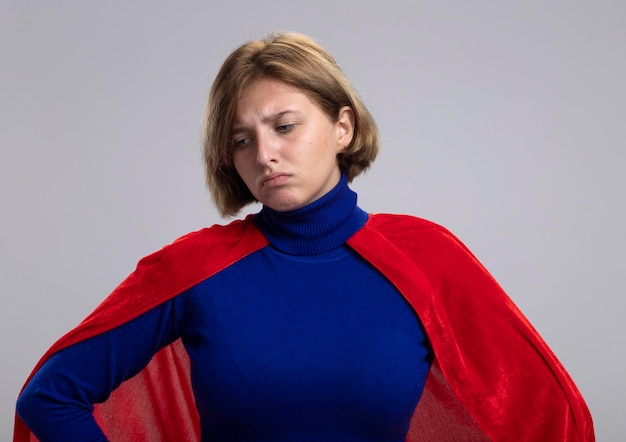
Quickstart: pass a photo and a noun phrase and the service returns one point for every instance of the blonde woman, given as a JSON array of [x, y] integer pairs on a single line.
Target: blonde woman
[[311, 320]]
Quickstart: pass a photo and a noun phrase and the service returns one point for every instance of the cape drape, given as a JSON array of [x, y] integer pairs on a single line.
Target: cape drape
[[493, 377]]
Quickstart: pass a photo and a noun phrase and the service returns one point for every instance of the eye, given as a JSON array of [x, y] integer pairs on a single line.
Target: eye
[[284, 128], [240, 142]]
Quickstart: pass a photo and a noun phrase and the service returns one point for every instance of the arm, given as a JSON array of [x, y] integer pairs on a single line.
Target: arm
[[57, 404]]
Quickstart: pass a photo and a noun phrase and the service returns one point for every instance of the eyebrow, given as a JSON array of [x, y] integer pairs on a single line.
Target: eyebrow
[[265, 119]]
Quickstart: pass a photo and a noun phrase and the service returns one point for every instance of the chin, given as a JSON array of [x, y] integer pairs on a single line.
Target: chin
[[285, 206], [285, 202]]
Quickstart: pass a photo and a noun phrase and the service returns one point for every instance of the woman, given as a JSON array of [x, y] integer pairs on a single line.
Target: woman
[[310, 320]]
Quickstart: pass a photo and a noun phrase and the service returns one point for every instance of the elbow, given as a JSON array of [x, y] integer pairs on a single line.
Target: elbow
[[28, 404]]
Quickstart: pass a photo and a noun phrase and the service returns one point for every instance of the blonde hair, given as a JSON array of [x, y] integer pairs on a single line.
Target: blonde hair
[[294, 59]]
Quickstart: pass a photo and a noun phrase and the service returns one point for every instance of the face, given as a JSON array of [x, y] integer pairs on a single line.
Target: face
[[285, 147]]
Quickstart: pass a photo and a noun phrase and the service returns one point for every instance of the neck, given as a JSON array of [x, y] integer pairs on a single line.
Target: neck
[[317, 228]]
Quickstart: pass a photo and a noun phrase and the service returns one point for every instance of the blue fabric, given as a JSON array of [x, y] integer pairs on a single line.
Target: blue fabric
[[301, 340]]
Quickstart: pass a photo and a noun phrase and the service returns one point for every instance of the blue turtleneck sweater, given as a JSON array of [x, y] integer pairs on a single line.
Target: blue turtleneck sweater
[[302, 340]]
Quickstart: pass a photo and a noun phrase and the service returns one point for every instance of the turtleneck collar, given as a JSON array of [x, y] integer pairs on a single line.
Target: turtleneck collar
[[316, 228]]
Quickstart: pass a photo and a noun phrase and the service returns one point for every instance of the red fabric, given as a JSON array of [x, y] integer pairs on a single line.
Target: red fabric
[[489, 360], [493, 376], [157, 404]]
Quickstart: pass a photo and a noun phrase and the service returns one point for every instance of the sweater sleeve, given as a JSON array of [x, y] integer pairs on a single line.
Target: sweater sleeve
[[57, 404]]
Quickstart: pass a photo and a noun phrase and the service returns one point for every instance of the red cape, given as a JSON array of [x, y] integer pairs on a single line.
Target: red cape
[[493, 376]]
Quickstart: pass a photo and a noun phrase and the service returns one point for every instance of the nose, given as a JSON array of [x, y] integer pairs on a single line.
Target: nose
[[267, 150]]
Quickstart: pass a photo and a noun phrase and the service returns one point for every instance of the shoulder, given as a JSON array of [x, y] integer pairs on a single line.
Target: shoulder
[[415, 236], [217, 232], [189, 260], [398, 227], [239, 235], [175, 268], [384, 221]]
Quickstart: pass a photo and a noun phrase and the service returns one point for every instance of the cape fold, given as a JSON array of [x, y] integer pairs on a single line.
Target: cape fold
[[490, 361]]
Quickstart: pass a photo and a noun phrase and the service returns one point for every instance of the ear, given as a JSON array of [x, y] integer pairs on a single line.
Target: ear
[[345, 128]]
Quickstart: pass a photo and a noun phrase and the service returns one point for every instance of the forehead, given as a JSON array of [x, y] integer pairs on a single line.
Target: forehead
[[268, 92], [270, 96]]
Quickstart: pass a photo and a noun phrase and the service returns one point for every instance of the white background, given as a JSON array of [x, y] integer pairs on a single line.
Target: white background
[[503, 121]]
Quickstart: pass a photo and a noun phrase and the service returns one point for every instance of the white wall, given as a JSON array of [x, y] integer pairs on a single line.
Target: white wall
[[504, 121]]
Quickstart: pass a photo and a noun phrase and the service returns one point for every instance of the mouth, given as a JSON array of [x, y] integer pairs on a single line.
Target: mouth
[[274, 179]]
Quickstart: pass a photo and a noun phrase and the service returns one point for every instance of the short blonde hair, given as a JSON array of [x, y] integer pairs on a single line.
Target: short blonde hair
[[294, 59]]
